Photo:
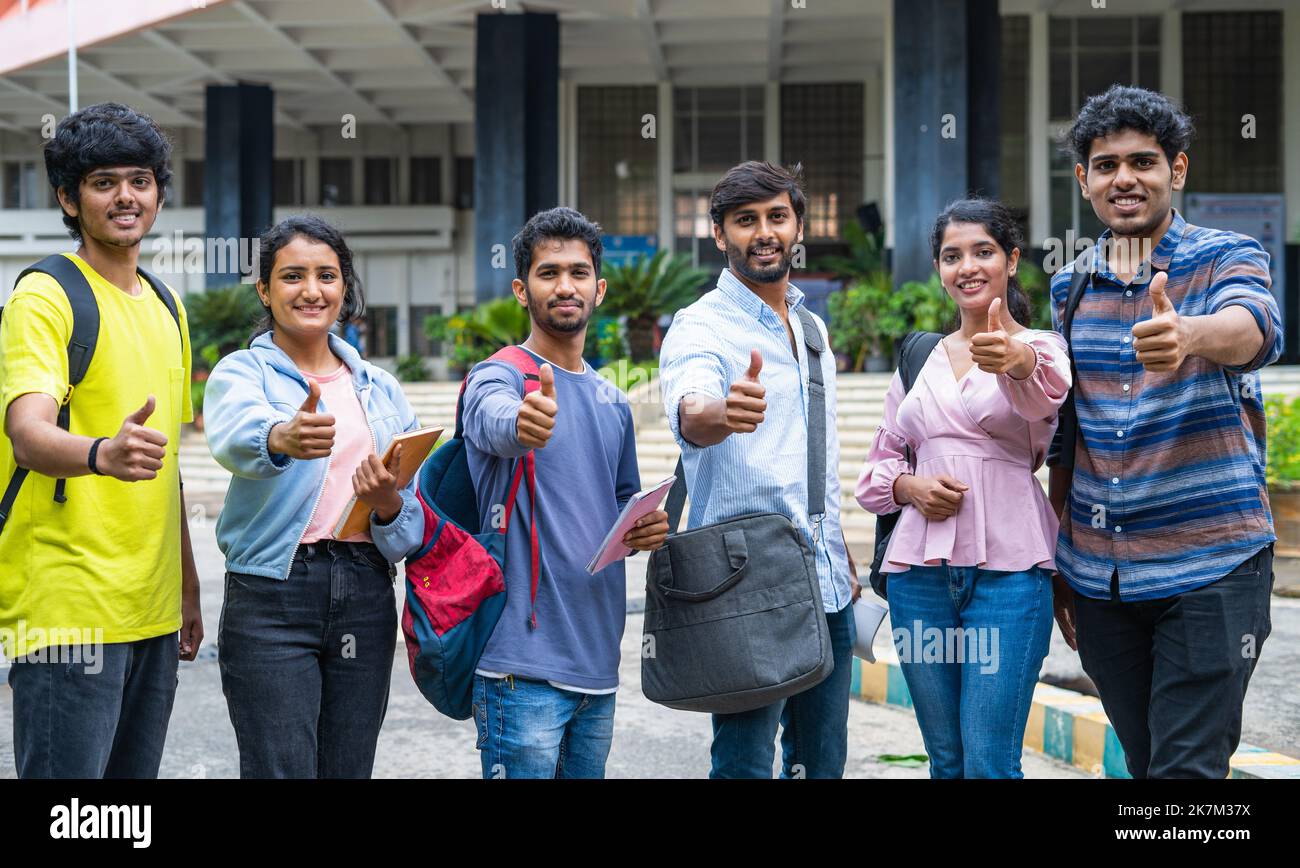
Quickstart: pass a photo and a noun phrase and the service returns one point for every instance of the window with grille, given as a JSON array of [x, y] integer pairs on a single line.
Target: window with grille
[[378, 176], [193, 189], [617, 164], [465, 183], [714, 128], [335, 181], [426, 181], [287, 176], [822, 127], [1232, 66]]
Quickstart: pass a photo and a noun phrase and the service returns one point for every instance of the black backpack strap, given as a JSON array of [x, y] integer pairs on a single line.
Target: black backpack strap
[[1061, 451], [165, 296], [81, 346]]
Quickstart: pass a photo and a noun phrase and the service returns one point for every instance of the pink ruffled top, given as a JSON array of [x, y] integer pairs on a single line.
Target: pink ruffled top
[[989, 431]]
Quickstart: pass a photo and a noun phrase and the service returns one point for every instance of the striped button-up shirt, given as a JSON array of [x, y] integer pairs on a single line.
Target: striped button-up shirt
[[705, 351], [1168, 486]]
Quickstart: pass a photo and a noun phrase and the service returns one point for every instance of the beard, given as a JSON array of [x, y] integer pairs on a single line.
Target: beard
[[541, 315], [739, 261]]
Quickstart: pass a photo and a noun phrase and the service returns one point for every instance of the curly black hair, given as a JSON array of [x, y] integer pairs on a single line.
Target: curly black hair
[[313, 227], [1130, 108], [105, 134], [563, 224]]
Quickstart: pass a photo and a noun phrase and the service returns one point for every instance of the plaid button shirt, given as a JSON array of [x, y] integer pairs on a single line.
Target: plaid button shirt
[[1168, 485]]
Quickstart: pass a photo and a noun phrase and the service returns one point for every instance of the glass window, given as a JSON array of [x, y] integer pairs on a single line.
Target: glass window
[[288, 182], [381, 331], [617, 165], [822, 127], [714, 128], [193, 192], [1232, 65], [335, 181], [420, 343], [23, 186], [378, 173], [426, 181]]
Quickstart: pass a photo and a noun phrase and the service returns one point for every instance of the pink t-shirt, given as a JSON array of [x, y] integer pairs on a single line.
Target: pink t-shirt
[[352, 443]]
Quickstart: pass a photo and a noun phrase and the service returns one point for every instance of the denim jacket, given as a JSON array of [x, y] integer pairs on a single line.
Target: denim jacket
[[272, 498]]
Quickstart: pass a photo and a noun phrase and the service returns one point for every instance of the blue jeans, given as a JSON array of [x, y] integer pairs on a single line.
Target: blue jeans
[[531, 729], [814, 723], [971, 642], [94, 712], [306, 662]]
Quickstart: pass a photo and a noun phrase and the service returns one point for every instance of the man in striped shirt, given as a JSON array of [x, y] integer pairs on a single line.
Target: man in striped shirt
[[1166, 543], [734, 372]]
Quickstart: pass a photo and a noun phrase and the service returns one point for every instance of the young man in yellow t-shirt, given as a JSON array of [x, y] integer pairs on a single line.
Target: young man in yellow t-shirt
[[95, 589]]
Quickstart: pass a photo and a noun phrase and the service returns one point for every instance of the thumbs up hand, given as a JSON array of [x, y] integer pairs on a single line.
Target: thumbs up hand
[[747, 399], [537, 412], [308, 434], [996, 352], [1161, 343], [136, 452]]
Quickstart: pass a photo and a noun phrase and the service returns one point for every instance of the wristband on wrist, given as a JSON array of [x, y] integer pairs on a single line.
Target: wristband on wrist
[[94, 453]]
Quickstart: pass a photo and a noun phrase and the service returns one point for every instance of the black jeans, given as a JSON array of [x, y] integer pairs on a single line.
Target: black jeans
[[94, 711], [306, 662], [1172, 673]]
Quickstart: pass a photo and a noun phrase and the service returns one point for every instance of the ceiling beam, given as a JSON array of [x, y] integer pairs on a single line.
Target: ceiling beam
[[164, 42], [375, 112], [441, 75]]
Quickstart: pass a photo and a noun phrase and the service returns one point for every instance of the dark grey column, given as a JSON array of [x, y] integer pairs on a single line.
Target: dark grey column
[[946, 117], [516, 135], [239, 148]]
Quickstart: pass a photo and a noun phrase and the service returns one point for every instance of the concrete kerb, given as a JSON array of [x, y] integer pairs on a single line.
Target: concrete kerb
[[1068, 726]]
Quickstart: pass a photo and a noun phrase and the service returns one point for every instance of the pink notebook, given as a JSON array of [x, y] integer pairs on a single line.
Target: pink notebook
[[641, 504]]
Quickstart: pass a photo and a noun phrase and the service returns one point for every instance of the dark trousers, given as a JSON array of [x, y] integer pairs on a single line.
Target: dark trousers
[[306, 662], [1173, 672], [814, 723], [94, 711]]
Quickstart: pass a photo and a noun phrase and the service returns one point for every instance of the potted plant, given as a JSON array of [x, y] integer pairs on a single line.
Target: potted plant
[[1283, 471], [645, 289]]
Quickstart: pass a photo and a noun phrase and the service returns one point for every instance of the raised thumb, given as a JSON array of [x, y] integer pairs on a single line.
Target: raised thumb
[[313, 395], [546, 376], [1160, 302], [755, 365], [139, 417], [995, 315]]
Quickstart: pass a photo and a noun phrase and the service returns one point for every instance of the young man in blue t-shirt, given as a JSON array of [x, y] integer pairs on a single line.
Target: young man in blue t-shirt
[[544, 688]]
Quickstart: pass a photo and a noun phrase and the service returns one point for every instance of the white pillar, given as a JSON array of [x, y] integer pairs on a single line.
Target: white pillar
[[873, 118], [1171, 66], [1040, 181], [664, 172], [1291, 117]]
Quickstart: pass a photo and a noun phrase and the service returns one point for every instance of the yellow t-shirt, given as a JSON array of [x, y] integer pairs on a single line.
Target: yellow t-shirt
[[109, 558]]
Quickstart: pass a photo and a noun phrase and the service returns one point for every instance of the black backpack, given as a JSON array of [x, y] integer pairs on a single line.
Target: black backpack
[[1061, 451], [81, 347]]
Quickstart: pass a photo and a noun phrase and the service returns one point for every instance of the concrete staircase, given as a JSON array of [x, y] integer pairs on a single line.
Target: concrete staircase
[[861, 404]]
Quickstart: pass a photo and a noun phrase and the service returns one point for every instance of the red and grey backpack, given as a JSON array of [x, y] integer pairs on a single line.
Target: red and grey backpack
[[455, 581]]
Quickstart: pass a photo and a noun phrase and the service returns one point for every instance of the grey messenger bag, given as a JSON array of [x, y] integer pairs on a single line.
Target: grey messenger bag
[[733, 616]]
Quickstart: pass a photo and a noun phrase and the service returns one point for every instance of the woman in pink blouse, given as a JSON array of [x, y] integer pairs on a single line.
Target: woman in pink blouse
[[969, 563]]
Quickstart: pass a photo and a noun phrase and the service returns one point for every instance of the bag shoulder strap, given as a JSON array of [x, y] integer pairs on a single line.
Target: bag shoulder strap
[[916, 348], [1060, 453], [165, 296], [525, 468]]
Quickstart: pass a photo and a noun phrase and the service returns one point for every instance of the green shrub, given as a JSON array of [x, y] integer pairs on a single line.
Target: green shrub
[[645, 289], [1283, 417], [479, 332], [221, 321], [412, 369]]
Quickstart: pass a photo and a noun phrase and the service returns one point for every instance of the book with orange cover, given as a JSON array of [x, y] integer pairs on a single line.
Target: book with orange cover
[[416, 446]]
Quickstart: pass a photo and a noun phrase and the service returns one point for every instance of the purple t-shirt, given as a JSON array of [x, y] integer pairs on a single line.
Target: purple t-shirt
[[585, 474]]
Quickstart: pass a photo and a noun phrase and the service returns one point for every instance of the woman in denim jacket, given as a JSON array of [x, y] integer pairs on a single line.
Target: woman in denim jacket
[[309, 624]]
